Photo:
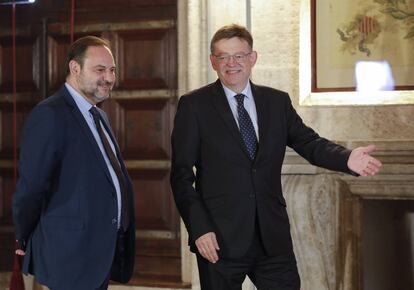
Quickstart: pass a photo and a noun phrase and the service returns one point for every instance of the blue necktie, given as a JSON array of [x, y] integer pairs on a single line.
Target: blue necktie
[[246, 127]]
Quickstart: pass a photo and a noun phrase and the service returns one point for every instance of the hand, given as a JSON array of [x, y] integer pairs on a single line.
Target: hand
[[362, 163], [20, 251], [207, 247]]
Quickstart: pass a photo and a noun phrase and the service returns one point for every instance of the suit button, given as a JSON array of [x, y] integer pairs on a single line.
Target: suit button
[[254, 170], [114, 221], [252, 195]]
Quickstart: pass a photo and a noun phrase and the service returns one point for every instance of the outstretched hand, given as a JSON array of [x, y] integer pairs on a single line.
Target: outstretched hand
[[361, 162]]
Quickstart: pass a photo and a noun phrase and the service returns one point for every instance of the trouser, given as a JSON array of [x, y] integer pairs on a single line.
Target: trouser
[[266, 272]]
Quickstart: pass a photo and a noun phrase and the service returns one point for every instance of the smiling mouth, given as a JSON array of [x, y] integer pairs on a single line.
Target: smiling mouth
[[105, 87], [233, 71]]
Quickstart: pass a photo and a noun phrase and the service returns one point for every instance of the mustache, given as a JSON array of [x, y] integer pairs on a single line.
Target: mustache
[[104, 83]]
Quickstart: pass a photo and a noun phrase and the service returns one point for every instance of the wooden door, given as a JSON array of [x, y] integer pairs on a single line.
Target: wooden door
[[143, 37]]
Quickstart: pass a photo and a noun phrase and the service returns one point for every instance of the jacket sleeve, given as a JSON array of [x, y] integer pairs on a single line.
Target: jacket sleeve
[[185, 142], [38, 159], [317, 150]]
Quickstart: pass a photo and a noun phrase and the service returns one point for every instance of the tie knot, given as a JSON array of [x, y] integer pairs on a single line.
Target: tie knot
[[95, 113], [240, 99]]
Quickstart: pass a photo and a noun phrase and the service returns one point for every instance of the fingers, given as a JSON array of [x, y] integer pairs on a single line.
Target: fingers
[[207, 247], [372, 167], [375, 162], [362, 162], [368, 149], [367, 171], [20, 252]]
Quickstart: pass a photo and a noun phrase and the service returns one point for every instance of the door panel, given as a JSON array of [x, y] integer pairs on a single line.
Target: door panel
[[27, 49]]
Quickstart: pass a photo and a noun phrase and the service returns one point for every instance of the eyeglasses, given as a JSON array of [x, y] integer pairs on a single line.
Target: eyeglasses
[[238, 57]]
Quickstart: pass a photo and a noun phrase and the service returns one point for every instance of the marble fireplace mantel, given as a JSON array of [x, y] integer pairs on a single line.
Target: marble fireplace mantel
[[325, 210]]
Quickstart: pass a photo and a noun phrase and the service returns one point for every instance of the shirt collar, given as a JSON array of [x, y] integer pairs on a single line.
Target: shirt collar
[[83, 105], [247, 91]]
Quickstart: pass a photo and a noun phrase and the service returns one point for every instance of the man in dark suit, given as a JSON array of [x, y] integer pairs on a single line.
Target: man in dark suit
[[235, 134], [73, 206]]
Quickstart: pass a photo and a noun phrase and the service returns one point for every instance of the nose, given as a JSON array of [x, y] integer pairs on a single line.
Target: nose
[[109, 76], [232, 60]]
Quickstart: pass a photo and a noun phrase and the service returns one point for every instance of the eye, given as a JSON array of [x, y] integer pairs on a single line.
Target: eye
[[239, 56], [222, 57]]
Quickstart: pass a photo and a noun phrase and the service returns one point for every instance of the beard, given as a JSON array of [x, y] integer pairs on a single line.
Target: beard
[[96, 92], [102, 90]]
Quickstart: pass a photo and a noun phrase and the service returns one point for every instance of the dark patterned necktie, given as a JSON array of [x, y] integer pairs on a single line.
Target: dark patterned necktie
[[116, 166], [246, 127]]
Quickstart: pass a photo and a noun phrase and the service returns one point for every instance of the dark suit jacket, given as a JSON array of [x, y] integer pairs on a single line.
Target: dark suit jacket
[[65, 203], [230, 189]]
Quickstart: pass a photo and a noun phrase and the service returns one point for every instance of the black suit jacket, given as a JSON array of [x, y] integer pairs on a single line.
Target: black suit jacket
[[231, 191], [65, 204]]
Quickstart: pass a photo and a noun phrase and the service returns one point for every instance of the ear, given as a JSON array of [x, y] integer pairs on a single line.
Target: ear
[[213, 62], [253, 58], [74, 67]]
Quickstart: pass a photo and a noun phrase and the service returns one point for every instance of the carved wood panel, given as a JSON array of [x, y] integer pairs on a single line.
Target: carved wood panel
[[141, 125], [6, 126], [144, 59], [158, 258], [6, 230], [152, 188], [27, 64]]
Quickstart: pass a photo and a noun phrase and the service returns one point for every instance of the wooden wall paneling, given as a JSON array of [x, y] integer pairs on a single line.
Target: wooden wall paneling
[[153, 201], [6, 186], [125, 10], [2, 203], [57, 51], [6, 149], [6, 126], [1, 132], [32, 14], [27, 64], [6, 231], [1, 64], [172, 62], [158, 261], [143, 59], [144, 132], [156, 271]]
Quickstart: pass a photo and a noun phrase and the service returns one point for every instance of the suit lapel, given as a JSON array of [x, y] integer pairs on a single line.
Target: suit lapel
[[262, 118], [223, 108], [87, 132]]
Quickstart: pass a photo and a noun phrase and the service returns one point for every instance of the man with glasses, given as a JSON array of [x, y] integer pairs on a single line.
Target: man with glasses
[[235, 134]]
